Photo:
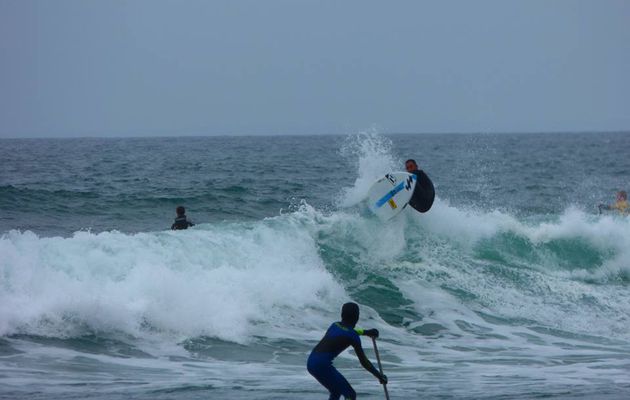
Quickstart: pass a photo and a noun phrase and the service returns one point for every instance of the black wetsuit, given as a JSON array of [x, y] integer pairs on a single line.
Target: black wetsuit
[[423, 194], [337, 339], [181, 222]]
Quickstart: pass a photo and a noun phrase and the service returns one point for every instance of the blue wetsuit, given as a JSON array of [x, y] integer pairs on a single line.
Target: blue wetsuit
[[338, 337]]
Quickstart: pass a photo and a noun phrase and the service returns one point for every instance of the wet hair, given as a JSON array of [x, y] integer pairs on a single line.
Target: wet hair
[[623, 194], [411, 160], [180, 210], [350, 314]]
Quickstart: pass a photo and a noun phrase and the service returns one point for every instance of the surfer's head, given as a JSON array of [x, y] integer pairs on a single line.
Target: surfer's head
[[622, 195], [180, 211], [411, 165], [350, 314]]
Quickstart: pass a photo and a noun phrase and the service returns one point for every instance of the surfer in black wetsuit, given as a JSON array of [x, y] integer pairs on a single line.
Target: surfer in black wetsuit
[[339, 336], [424, 193], [181, 222]]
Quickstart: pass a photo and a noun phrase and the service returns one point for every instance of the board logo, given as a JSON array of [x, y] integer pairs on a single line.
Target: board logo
[[391, 178], [408, 184]]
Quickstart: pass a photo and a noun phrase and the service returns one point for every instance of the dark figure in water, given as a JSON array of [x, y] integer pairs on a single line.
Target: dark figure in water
[[181, 222], [338, 337], [424, 193]]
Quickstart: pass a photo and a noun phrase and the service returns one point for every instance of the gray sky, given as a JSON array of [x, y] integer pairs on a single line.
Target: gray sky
[[136, 68]]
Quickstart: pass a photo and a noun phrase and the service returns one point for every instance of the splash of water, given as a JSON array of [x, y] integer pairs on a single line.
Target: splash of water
[[372, 155]]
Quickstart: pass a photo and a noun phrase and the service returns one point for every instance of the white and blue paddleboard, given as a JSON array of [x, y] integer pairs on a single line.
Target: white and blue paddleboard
[[389, 195]]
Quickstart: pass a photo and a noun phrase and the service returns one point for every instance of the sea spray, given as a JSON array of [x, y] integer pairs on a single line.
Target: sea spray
[[372, 157], [510, 287]]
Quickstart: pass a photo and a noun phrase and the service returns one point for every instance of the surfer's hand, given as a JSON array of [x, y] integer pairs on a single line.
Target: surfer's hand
[[373, 333], [382, 379]]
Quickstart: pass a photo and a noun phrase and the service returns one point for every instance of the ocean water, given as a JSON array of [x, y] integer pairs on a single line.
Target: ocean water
[[511, 287]]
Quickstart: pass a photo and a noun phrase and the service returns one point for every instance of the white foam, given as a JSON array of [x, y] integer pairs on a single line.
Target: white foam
[[445, 239], [222, 281], [461, 225], [544, 291], [608, 234]]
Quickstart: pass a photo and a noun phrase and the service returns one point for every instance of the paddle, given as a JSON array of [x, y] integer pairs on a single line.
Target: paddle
[[380, 367]]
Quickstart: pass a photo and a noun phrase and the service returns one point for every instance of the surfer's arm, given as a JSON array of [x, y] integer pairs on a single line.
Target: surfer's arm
[[365, 363]]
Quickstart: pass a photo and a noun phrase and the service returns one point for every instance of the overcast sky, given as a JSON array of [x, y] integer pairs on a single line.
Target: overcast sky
[[138, 68]]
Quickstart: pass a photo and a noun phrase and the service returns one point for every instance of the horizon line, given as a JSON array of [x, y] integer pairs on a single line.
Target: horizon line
[[225, 135]]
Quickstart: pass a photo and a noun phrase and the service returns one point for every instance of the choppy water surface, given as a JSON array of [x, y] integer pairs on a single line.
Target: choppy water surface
[[512, 286]]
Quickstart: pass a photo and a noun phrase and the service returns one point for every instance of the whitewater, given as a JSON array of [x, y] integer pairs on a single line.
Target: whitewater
[[512, 286]]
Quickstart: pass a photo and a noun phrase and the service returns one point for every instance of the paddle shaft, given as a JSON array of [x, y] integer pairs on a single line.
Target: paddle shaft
[[380, 367]]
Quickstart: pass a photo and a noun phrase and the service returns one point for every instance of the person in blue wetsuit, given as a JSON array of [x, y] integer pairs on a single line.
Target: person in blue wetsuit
[[338, 337], [424, 193]]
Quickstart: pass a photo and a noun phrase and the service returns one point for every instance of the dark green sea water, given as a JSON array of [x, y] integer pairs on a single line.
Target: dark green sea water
[[512, 286]]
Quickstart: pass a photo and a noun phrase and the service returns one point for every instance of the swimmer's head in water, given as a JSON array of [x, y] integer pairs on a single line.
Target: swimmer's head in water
[[180, 211], [350, 314], [622, 195]]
